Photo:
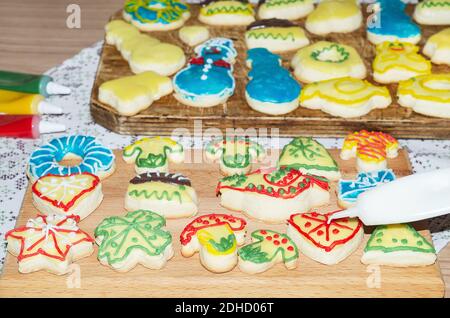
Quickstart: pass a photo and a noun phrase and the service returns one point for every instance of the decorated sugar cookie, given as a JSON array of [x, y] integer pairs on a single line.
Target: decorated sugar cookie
[[349, 190], [427, 94], [235, 154], [275, 35], [391, 23], [326, 243], [273, 195], [398, 61], [434, 12], [95, 158], [285, 9], [345, 97], [267, 249], [193, 35], [170, 195], [138, 237], [309, 156], [131, 94], [437, 47], [208, 79], [156, 15], [325, 60], [74, 194], [398, 245], [271, 88], [49, 243], [226, 12], [153, 154], [341, 16], [143, 52], [371, 149], [215, 237]]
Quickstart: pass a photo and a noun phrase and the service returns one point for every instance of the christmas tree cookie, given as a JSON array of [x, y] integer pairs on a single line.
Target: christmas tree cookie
[[267, 249], [309, 156], [398, 245]]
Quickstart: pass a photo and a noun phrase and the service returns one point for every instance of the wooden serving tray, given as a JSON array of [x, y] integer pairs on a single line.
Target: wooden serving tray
[[167, 113], [185, 277]]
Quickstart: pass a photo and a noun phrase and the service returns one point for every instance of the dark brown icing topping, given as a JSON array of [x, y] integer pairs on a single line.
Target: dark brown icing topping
[[173, 178], [266, 23]]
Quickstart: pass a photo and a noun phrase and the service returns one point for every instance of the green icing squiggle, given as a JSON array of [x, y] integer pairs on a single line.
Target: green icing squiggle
[[268, 35], [155, 194]]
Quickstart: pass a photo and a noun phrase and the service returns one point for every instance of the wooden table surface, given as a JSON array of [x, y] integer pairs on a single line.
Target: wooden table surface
[[34, 37]]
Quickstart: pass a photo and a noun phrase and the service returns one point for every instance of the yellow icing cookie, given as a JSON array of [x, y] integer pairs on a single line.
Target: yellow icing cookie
[[227, 13], [325, 60], [194, 34], [434, 12], [345, 97], [144, 53], [285, 9], [131, 94], [437, 47], [398, 61], [426, 94]]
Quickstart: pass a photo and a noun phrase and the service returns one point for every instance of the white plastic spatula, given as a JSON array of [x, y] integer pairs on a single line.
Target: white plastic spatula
[[412, 198]]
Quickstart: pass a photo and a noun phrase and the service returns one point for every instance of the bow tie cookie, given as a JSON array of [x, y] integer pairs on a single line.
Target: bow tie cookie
[[234, 154], [341, 16], [325, 60], [437, 47], [130, 95], [390, 22], [74, 194], [345, 97], [271, 88], [324, 242], [215, 237], [208, 79], [275, 35], [427, 94], [371, 149], [193, 35], [432, 12], [49, 243], [153, 154], [398, 61], [228, 12], [156, 15], [398, 245], [309, 156], [138, 237], [170, 195], [285, 9], [273, 195]]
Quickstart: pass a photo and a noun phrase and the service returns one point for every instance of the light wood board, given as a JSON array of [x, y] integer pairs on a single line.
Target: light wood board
[[167, 114], [185, 277]]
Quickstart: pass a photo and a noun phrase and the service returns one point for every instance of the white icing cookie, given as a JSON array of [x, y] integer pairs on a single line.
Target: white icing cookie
[[434, 12], [194, 34], [130, 95], [437, 47], [285, 9], [226, 12]]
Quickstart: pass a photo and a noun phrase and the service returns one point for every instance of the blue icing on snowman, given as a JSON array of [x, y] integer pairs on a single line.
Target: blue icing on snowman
[[269, 81], [392, 21], [208, 79]]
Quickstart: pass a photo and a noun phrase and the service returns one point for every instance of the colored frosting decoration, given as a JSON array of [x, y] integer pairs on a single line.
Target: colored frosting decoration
[[263, 91], [345, 97], [309, 156], [370, 149], [426, 94], [96, 158], [236, 154], [49, 243], [325, 60], [285, 9], [153, 154], [267, 249], [154, 15], [398, 61], [349, 190], [226, 12], [391, 23], [208, 79], [131, 94], [437, 47], [434, 12], [138, 237]]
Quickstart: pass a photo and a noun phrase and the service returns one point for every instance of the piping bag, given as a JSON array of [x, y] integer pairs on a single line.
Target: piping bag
[[412, 198]]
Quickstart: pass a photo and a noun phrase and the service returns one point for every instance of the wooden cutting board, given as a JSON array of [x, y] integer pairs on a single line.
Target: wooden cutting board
[[185, 277], [167, 113]]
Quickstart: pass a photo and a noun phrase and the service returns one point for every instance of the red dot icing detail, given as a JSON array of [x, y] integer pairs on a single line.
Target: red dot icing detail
[[263, 232], [269, 238], [320, 232], [276, 236], [307, 224], [284, 241], [290, 248], [276, 242], [335, 231]]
